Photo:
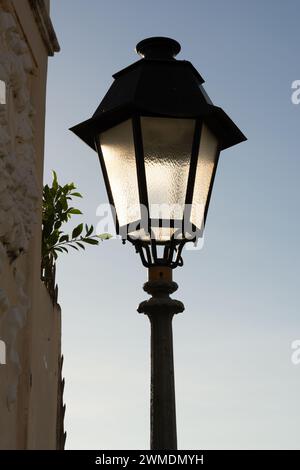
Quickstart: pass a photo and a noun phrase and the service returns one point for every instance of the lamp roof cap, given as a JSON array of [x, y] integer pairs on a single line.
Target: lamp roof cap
[[158, 48]]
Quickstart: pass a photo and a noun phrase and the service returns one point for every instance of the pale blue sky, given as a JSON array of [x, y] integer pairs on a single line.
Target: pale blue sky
[[236, 385]]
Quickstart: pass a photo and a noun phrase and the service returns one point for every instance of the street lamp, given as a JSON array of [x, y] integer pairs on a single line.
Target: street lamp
[[158, 137]]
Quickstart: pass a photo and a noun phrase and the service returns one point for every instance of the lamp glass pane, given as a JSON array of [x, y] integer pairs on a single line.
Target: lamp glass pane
[[118, 151], [207, 159], [167, 146], [161, 234]]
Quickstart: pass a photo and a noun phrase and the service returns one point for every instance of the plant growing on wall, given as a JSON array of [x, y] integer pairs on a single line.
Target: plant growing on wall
[[57, 210]]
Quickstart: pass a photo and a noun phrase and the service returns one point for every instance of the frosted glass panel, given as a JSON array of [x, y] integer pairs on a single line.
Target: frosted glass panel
[[167, 149], [160, 233], [163, 233], [119, 156], [205, 167]]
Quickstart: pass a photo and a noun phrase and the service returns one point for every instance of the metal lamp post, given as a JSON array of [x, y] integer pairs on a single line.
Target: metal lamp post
[[159, 137]]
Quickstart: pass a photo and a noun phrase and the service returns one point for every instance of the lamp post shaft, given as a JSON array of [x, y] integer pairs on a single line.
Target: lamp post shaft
[[163, 409], [160, 309]]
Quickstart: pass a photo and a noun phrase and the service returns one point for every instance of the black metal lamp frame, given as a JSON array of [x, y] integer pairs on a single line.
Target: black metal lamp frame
[[171, 256], [173, 247]]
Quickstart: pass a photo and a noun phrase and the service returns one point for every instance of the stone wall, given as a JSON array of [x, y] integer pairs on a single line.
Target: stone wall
[[30, 323]]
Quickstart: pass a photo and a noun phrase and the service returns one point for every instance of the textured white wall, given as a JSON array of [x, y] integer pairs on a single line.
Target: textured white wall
[[18, 184], [18, 190], [29, 322]]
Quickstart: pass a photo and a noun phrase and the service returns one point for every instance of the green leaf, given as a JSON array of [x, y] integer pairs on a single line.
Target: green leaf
[[47, 193], [72, 210], [76, 194], [89, 231], [81, 245], [90, 241], [53, 239], [104, 236], [77, 231], [64, 203], [73, 246], [64, 238], [54, 183]]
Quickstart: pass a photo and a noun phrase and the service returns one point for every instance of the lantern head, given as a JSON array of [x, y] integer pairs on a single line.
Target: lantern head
[[158, 137]]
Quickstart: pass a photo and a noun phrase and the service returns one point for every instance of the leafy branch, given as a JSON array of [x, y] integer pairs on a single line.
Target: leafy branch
[[57, 211], [77, 240]]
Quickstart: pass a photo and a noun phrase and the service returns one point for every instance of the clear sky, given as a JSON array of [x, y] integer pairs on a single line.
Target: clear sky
[[236, 386]]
